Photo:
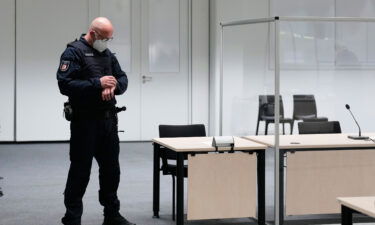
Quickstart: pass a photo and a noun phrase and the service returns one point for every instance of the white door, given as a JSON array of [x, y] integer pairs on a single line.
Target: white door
[[164, 66], [125, 16]]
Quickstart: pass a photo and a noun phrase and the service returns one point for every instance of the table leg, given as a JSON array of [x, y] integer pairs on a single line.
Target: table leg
[[156, 181], [180, 189], [346, 215], [281, 186], [261, 161]]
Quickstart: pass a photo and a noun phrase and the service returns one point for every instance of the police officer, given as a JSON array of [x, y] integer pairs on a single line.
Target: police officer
[[90, 75]]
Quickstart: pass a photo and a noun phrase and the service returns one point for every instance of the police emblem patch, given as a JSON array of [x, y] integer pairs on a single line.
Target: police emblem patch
[[64, 65]]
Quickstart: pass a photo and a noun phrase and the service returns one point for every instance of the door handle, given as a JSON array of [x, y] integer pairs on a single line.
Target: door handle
[[146, 79]]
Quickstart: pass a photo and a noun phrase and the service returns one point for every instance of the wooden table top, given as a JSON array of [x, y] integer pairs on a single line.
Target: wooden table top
[[197, 144], [313, 141], [365, 205]]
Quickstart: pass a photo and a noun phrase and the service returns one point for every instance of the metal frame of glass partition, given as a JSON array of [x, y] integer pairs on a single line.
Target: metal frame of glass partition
[[276, 20]]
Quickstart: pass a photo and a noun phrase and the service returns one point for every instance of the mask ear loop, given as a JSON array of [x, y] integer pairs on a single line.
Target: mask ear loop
[[96, 35]]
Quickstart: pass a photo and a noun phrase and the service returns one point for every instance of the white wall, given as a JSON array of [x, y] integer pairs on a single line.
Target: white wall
[[44, 27], [200, 61], [40, 41], [7, 52]]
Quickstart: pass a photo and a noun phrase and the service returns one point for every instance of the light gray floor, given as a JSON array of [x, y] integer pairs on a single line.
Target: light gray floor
[[35, 176]]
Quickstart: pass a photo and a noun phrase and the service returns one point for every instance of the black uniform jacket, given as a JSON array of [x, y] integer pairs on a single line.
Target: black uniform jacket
[[79, 73]]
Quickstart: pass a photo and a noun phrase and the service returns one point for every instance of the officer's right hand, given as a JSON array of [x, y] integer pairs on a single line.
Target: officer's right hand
[[108, 82]]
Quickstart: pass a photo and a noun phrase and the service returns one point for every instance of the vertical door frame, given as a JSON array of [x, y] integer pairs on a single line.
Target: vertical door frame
[[190, 60]]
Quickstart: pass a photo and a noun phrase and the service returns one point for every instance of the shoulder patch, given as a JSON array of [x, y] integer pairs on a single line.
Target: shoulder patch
[[64, 66]]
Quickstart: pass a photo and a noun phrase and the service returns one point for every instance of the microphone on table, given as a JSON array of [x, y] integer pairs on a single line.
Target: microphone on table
[[355, 137]]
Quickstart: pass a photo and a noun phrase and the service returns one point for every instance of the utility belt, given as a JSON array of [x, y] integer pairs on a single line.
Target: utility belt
[[79, 114], [71, 113]]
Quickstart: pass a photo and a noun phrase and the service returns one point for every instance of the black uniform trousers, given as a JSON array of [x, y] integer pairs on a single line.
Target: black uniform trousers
[[92, 138]]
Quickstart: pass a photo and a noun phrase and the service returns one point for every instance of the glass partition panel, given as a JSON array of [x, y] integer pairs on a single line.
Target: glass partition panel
[[328, 65], [321, 66], [248, 80]]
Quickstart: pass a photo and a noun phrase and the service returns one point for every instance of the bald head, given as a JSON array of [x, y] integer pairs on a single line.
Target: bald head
[[100, 28], [102, 25]]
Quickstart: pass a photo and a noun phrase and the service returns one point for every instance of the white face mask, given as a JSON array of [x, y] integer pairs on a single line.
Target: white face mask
[[100, 45]]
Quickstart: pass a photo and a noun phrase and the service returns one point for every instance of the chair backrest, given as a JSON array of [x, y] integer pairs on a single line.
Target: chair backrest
[[193, 130], [267, 106], [304, 105], [172, 131], [317, 119], [330, 127]]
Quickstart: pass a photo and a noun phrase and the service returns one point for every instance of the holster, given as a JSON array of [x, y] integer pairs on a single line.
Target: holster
[[68, 111]]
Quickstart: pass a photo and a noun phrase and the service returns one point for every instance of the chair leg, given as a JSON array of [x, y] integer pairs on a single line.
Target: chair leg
[[173, 197], [291, 127], [256, 132], [283, 128], [266, 131]]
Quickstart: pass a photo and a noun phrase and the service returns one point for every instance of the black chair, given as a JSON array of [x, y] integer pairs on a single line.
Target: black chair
[[169, 157], [304, 108], [266, 113], [330, 127]]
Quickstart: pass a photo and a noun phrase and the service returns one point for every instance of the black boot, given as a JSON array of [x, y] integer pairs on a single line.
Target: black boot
[[116, 220], [68, 219], [65, 222]]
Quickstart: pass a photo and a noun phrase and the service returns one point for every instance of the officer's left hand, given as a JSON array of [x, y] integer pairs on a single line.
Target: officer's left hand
[[106, 94], [113, 91]]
